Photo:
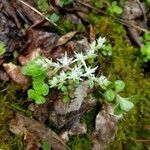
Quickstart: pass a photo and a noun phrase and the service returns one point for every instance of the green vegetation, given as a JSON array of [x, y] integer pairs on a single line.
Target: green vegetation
[[53, 18], [121, 104], [43, 5], [2, 49], [38, 70], [145, 50], [114, 9], [124, 64], [66, 73], [63, 3]]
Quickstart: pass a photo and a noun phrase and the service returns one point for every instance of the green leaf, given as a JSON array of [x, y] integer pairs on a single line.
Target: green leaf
[[2, 48], [32, 94], [117, 109], [39, 78], [41, 88], [54, 18], [110, 95], [66, 98], [125, 105], [40, 100], [46, 146], [145, 50], [65, 2], [33, 69], [147, 36], [119, 86], [35, 96], [114, 9]]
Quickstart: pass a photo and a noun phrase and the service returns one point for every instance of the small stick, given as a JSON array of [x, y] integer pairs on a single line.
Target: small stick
[[38, 12], [124, 22]]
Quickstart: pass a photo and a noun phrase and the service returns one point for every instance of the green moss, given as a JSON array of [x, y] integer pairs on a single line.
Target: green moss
[[126, 66], [8, 141], [82, 142], [43, 5], [68, 25]]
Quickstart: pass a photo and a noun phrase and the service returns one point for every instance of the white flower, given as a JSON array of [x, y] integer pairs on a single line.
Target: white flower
[[103, 82], [93, 45], [49, 61], [76, 73], [62, 77], [90, 54], [89, 72], [100, 42], [54, 82], [65, 61], [79, 57], [42, 63]]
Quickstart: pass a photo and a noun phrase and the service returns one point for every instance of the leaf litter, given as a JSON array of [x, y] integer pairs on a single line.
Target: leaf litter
[[39, 39]]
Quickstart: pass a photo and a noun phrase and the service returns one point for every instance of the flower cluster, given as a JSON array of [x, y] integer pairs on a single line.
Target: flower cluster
[[66, 74]]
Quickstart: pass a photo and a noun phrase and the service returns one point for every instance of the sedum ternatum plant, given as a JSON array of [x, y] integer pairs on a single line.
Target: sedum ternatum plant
[[66, 74]]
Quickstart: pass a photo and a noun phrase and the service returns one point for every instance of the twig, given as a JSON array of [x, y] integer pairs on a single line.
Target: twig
[[124, 22], [143, 140], [145, 19], [38, 12]]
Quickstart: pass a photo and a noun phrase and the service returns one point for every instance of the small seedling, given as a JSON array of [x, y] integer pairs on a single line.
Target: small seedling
[[112, 95], [2, 48], [145, 50], [114, 9], [63, 3]]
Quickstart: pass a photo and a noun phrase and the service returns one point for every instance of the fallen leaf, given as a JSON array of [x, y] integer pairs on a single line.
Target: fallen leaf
[[105, 128], [65, 38], [38, 130], [79, 94], [31, 56], [14, 72]]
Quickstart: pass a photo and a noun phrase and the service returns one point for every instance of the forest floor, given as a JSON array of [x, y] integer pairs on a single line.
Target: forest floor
[[105, 104]]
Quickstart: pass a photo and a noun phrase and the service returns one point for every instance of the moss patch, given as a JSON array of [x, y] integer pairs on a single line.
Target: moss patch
[[125, 65]]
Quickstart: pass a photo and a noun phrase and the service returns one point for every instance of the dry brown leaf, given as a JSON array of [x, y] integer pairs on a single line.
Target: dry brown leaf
[[79, 94], [34, 54], [132, 10], [38, 130], [10, 11], [3, 75], [106, 128], [14, 72], [65, 38], [92, 33]]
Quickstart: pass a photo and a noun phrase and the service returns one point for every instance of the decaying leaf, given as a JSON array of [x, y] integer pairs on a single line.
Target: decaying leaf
[[105, 128], [22, 123], [11, 11], [14, 72], [81, 128], [30, 141], [79, 94], [34, 54], [65, 38], [3, 76], [133, 10]]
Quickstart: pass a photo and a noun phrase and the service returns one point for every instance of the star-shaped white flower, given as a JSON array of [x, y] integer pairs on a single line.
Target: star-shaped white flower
[[93, 45], [65, 61], [62, 77], [89, 72], [76, 73], [100, 42], [54, 82], [80, 57]]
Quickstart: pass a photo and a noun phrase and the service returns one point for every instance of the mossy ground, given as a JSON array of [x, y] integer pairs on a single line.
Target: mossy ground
[[124, 64]]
